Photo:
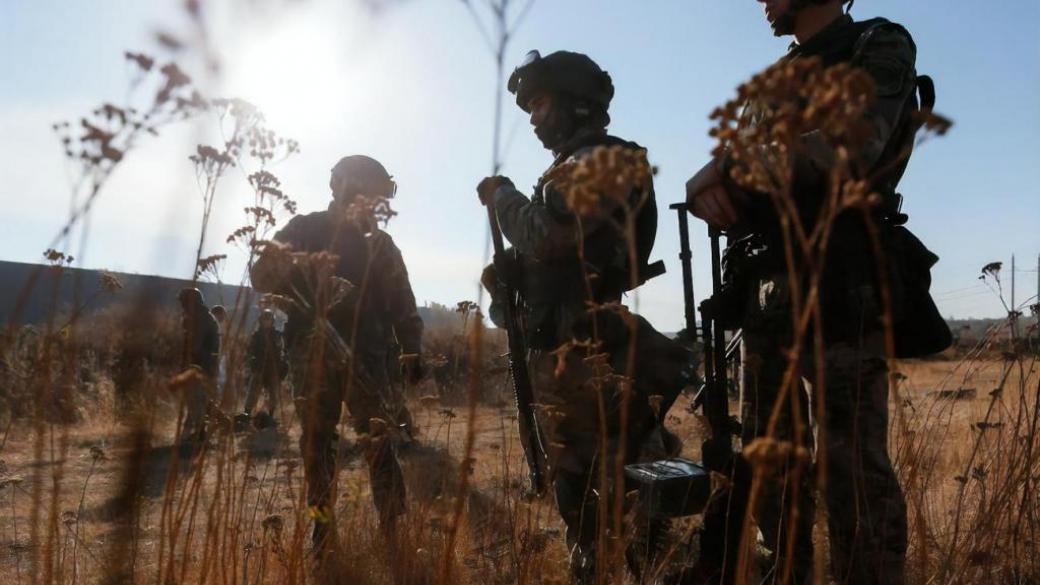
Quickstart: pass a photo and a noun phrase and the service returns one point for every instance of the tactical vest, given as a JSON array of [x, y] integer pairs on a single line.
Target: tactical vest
[[851, 271], [606, 251]]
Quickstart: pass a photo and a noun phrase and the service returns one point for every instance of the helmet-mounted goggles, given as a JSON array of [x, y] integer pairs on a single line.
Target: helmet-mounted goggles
[[514, 79]]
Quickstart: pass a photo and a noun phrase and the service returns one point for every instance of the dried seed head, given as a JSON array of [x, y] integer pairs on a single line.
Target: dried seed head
[[602, 179]]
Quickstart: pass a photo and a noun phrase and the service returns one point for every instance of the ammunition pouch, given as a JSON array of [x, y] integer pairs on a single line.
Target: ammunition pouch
[[919, 328]]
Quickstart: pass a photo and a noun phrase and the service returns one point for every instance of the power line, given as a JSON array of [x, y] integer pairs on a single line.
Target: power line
[[975, 286]]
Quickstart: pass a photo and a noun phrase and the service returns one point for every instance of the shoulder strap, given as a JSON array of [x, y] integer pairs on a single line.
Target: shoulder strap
[[926, 92]]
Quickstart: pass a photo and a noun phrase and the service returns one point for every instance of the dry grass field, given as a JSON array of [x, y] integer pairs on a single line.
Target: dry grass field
[[236, 512], [94, 489]]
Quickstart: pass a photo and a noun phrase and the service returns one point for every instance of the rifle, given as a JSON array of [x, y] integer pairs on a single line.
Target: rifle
[[722, 529], [681, 487], [530, 438], [686, 259]]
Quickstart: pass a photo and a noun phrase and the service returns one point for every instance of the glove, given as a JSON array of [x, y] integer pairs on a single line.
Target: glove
[[487, 187], [412, 368]]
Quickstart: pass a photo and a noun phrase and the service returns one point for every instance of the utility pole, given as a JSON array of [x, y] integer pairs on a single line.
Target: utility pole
[[1012, 282], [1014, 309]]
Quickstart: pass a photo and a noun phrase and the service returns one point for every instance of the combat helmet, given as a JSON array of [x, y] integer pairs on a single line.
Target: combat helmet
[[366, 175], [562, 72]]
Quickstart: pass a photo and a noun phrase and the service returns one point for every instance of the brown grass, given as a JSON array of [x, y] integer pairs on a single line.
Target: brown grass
[[92, 488], [239, 513]]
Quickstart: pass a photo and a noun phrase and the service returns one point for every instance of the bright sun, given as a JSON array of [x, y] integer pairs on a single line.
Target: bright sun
[[294, 75]]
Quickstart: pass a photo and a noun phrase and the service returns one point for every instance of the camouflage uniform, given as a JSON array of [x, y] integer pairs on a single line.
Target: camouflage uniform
[[867, 512], [383, 304], [201, 347], [552, 283]]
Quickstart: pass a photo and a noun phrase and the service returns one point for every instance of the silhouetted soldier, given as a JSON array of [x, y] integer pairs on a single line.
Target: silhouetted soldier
[[267, 366], [867, 513], [567, 267], [341, 355]]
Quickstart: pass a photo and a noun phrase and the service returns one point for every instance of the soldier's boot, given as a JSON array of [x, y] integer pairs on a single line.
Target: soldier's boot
[[323, 533], [779, 525], [252, 396], [721, 534], [583, 565], [647, 546], [579, 512], [319, 462], [325, 557]]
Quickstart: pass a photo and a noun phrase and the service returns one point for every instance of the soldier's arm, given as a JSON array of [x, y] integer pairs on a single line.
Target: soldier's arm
[[552, 230], [400, 302], [489, 278], [269, 272], [889, 56]]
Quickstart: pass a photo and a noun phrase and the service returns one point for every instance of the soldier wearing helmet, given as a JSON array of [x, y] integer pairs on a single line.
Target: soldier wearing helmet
[[347, 362], [571, 270], [867, 513], [201, 350]]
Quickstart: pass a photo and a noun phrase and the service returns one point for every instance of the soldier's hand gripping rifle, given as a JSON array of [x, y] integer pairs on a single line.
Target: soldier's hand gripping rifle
[[522, 392]]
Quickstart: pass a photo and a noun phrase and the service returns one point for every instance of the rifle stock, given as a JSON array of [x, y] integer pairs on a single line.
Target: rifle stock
[[530, 440]]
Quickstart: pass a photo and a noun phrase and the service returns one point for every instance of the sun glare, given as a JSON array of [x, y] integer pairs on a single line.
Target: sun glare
[[294, 74]]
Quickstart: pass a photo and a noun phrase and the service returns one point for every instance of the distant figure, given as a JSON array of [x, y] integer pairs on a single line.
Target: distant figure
[[201, 350], [220, 314], [267, 366]]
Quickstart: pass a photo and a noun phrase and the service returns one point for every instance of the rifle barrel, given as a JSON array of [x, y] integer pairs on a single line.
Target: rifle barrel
[[530, 440], [716, 402], [686, 260]]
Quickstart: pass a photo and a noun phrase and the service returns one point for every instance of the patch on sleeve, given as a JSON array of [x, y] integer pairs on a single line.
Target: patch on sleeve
[[889, 57], [890, 74]]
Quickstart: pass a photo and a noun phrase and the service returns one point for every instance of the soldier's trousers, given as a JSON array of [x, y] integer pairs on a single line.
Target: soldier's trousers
[[582, 410], [866, 511], [267, 383], [320, 390], [196, 400]]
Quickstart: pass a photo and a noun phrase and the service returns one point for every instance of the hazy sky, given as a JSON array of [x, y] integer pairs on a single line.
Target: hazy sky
[[413, 86]]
